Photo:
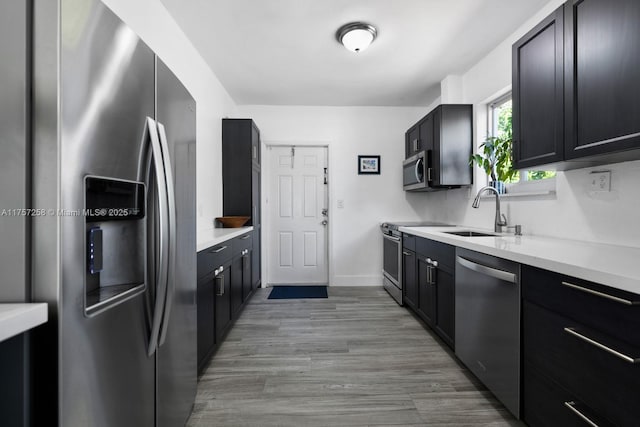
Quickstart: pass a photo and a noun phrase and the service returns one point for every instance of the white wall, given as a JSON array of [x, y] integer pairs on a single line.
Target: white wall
[[157, 28], [355, 240], [574, 212]]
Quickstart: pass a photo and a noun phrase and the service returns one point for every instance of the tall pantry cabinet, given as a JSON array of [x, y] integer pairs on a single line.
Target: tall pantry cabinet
[[241, 180]]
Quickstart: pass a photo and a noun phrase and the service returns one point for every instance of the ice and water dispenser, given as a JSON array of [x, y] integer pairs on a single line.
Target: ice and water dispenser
[[115, 242]]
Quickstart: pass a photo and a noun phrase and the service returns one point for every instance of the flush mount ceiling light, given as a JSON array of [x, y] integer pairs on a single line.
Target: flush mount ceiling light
[[356, 36]]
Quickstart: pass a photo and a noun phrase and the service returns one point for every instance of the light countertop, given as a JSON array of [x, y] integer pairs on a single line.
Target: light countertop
[[615, 266], [18, 318], [215, 236]]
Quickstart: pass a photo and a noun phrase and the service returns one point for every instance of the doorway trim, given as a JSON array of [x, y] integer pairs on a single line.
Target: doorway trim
[[264, 191]]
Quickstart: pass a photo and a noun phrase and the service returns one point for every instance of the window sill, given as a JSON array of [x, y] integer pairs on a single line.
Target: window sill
[[542, 189], [524, 194]]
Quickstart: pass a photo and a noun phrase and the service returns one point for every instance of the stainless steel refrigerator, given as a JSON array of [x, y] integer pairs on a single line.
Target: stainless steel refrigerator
[[101, 147]]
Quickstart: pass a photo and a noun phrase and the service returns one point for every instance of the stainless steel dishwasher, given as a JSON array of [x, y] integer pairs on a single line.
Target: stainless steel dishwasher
[[487, 337]]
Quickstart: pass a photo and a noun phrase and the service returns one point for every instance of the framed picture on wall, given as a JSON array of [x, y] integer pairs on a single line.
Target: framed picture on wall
[[368, 165]]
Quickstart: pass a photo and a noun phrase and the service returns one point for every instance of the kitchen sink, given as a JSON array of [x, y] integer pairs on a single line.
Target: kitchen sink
[[469, 233]]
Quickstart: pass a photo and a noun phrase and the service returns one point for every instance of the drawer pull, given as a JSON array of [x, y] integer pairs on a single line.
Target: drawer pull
[[245, 237], [572, 406], [601, 294], [584, 338], [217, 251]]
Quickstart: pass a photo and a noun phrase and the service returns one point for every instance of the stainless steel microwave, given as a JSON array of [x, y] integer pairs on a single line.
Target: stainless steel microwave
[[414, 170]]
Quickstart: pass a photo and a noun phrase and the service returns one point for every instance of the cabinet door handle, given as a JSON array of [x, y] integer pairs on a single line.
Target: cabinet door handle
[[216, 251], [428, 275], [220, 280], [255, 152], [433, 273], [626, 358], [572, 406], [429, 175], [407, 253], [415, 145], [601, 294]]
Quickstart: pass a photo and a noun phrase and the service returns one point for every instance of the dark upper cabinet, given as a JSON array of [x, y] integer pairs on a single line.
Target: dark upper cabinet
[[602, 65], [255, 145], [419, 137], [445, 136], [538, 107], [412, 141], [242, 179], [452, 146], [595, 121], [241, 189]]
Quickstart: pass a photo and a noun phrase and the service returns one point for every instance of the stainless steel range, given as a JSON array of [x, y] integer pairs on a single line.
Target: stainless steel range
[[392, 254]]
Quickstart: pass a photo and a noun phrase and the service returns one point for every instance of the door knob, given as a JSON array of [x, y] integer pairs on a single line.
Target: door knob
[[325, 222]]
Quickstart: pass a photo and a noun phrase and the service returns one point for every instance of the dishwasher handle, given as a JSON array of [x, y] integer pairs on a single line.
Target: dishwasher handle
[[487, 271]]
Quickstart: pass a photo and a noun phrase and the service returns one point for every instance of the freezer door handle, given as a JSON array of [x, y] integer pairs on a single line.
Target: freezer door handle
[[171, 199], [161, 256]]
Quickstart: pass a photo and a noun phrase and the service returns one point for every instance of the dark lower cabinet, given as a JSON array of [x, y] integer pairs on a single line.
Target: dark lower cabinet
[[426, 292], [410, 280], [445, 303], [206, 318], [246, 262], [223, 286], [255, 259], [580, 340], [429, 284]]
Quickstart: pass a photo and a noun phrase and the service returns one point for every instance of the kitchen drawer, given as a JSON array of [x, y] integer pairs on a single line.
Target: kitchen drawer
[[546, 404], [603, 381], [241, 243], [409, 242], [605, 311], [441, 252], [213, 257]]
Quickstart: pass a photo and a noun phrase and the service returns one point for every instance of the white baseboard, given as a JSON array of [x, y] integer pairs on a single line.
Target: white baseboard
[[356, 280]]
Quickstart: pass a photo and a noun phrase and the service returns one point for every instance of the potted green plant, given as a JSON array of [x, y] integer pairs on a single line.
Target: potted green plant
[[495, 160]]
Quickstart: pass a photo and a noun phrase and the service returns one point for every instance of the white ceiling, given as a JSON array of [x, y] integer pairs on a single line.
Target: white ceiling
[[284, 52]]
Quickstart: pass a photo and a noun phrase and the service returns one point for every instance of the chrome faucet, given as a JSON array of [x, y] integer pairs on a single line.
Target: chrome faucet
[[501, 220]]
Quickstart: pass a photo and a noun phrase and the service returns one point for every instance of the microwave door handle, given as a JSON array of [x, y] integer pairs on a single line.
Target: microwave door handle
[[162, 254], [171, 205], [418, 180]]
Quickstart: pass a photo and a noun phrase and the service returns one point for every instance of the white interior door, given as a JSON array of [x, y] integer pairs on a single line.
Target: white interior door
[[296, 216]]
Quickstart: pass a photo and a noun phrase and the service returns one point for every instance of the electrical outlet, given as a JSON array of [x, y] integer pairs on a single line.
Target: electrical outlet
[[600, 181]]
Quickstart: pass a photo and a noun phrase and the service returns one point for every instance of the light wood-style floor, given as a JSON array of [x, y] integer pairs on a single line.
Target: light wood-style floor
[[354, 359]]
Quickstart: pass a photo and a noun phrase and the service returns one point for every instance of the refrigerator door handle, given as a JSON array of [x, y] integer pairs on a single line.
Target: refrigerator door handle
[[171, 198], [163, 236]]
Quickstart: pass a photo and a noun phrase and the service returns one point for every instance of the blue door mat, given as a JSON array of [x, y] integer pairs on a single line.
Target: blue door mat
[[294, 292]]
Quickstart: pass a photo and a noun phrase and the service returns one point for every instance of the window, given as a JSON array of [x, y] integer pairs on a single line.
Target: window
[[500, 126]]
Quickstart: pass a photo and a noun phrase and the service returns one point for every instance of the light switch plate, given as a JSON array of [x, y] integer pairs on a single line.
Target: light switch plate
[[600, 181]]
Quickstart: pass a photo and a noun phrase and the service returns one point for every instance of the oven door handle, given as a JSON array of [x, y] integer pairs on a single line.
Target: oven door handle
[[395, 239]]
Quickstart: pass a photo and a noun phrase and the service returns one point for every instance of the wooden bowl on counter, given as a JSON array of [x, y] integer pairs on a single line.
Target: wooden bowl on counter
[[233, 221]]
